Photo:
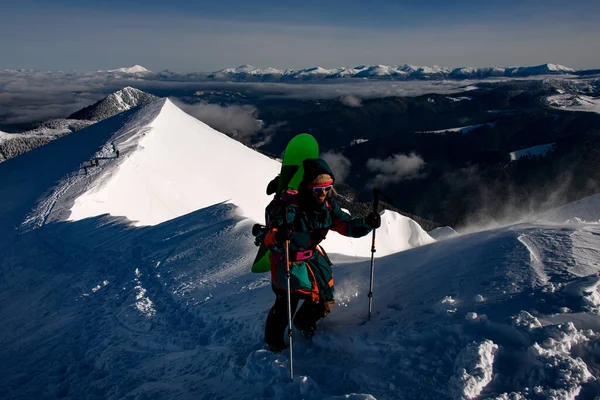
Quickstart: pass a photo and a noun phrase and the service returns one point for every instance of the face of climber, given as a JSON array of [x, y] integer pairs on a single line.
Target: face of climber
[[320, 187]]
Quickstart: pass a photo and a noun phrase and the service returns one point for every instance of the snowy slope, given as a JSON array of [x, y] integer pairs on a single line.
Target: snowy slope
[[571, 102], [584, 210], [176, 165], [119, 101], [538, 70], [96, 308], [12, 145], [443, 232], [136, 69], [170, 311], [461, 129]]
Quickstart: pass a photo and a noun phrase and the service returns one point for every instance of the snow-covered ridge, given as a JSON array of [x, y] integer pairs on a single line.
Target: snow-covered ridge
[[172, 164], [249, 73], [405, 71], [12, 145], [15, 144], [461, 129], [117, 102], [584, 210]]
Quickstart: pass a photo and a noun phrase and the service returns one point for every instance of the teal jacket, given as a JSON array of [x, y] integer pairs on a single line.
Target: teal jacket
[[311, 275]]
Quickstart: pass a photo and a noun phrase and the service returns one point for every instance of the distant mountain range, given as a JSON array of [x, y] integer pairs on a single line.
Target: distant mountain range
[[248, 73]]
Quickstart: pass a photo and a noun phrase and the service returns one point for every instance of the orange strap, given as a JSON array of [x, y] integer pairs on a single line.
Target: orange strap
[[270, 237]]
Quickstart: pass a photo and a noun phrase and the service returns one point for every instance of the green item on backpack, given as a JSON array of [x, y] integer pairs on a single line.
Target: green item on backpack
[[300, 148]]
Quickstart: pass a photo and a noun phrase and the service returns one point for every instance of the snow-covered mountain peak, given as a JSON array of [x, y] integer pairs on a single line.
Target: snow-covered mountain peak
[[174, 165], [114, 103], [557, 67], [244, 68], [127, 97], [380, 70], [136, 69], [315, 71]]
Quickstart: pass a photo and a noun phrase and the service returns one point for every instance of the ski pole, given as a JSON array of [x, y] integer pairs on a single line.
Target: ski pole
[[376, 194], [289, 302], [375, 206]]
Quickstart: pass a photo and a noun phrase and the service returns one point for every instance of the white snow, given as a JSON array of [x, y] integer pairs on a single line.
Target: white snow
[[136, 69], [318, 71], [571, 102], [443, 232], [461, 129], [358, 141], [473, 369], [459, 99], [167, 308], [344, 72], [586, 210], [535, 151], [557, 67], [425, 70], [381, 70], [175, 168]]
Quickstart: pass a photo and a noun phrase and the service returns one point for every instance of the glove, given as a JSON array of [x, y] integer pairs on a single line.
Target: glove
[[284, 233], [373, 220]]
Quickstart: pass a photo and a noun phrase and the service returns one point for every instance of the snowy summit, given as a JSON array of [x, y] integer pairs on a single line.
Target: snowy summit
[[113, 104], [136, 69]]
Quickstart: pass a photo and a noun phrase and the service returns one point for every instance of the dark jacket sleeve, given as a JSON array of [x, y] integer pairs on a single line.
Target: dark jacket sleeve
[[347, 225]]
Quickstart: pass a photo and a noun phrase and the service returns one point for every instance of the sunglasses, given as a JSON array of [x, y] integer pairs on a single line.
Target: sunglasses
[[322, 189]]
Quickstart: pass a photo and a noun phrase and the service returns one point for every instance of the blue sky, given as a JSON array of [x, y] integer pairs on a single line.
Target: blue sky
[[198, 35]]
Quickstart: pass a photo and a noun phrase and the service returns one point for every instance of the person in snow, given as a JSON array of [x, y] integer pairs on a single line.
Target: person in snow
[[304, 218]]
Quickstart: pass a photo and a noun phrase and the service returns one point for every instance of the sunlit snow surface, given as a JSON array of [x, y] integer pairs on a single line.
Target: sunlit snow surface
[[97, 308]]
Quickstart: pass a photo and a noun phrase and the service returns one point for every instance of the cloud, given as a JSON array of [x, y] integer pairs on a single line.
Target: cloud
[[351, 101], [340, 165], [238, 121], [395, 169], [269, 132], [30, 97]]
